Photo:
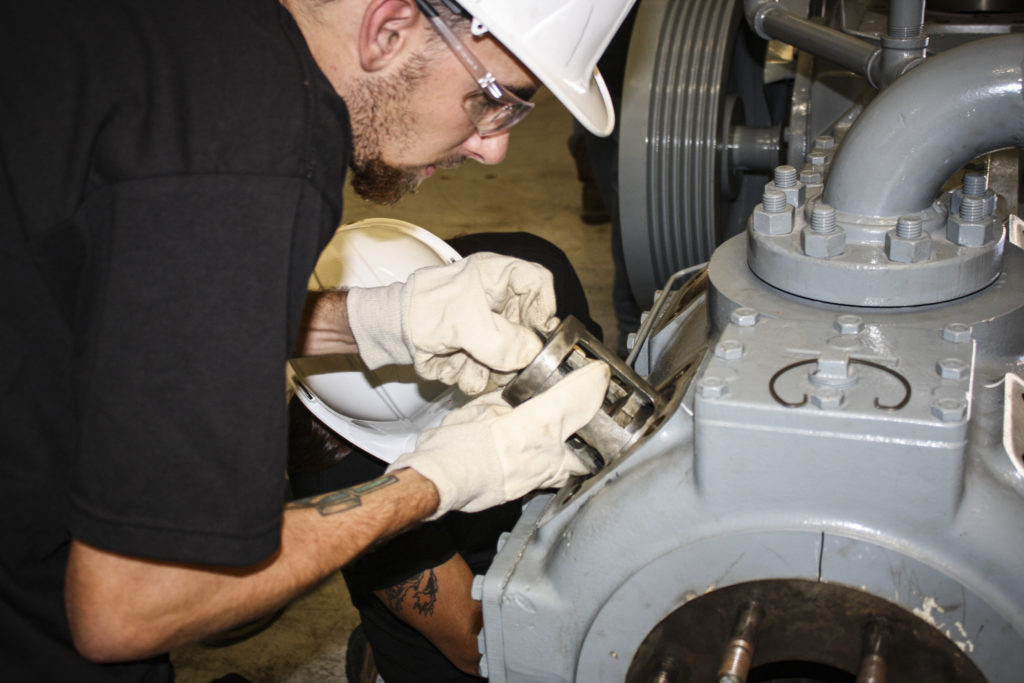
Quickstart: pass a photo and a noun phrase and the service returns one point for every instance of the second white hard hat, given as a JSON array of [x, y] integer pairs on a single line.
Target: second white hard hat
[[381, 411], [560, 41]]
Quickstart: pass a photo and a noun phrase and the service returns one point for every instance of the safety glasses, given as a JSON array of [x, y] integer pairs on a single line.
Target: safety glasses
[[494, 110]]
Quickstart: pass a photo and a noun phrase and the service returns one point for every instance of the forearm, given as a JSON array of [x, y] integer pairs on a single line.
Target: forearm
[[123, 608], [324, 328]]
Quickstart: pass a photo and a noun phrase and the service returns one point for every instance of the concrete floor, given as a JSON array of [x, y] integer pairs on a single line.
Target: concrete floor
[[536, 190]]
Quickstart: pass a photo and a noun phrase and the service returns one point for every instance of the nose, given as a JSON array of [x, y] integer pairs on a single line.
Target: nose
[[486, 150]]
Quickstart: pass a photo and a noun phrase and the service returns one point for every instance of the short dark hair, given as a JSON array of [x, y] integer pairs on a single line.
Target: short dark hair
[[452, 14], [312, 446]]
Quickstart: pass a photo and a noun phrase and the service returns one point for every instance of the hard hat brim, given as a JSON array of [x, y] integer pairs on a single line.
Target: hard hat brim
[[592, 107]]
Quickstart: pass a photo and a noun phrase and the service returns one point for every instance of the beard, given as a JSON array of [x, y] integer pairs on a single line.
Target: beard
[[379, 111]]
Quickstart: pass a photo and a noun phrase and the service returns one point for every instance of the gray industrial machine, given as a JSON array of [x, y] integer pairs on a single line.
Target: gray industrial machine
[[810, 466]]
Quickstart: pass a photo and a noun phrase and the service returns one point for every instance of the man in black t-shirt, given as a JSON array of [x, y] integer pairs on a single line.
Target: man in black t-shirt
[[168, 174]]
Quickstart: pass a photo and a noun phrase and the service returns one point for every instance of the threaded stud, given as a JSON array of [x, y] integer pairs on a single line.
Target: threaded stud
[[785, 176], [823, 219], [972, 208], [773, 201], [909, 227], [975, 183]]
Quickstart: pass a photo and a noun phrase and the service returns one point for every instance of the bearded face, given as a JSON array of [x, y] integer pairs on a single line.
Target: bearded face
[[382, 113]]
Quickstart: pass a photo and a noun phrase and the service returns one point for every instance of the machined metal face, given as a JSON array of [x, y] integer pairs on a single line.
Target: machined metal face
[[804, 630]]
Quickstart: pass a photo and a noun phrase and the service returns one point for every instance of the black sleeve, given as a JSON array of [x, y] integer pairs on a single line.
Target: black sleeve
[[186, 329], [424, 547]]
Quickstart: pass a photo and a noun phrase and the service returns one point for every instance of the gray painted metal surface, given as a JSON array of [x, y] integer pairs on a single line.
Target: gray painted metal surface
[[918, 132], [909, 504], [891, 165], [850, 420]]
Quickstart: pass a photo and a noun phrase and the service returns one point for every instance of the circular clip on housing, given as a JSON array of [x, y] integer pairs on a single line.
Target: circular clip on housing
[[630, 404]]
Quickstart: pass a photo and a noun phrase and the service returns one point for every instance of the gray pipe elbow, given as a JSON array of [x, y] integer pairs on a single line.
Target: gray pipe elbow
[[754, 11], [952, 108]]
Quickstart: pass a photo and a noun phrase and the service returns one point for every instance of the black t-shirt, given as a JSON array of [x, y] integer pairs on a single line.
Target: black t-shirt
[[169, 172]]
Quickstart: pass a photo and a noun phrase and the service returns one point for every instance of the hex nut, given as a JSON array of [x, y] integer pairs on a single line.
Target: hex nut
[[795, 196], [767, 223], [958, 333], [823, 244], [908, 250], [811, 176], [950, 409], [849, 324], [729, 350], [953, 368], [957, 195], [744, 317], [827, 398], [972, 233], [712, 387]]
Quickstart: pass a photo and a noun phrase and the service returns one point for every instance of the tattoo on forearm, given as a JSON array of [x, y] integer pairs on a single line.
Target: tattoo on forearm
[[343, 500], [421, 589]]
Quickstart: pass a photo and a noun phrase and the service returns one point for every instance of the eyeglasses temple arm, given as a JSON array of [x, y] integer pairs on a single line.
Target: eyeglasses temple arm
[[484, 78]]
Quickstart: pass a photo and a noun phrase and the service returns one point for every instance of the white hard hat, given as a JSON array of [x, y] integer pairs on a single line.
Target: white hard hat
[[560, 41], [381, 411]]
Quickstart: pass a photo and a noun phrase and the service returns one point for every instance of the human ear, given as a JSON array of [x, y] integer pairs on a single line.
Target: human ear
[[385, 31]]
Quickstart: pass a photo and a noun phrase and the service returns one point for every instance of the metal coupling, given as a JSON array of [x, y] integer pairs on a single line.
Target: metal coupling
[[631, 405]]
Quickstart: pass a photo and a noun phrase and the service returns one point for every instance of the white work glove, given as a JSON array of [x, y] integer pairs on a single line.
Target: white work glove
[[469, 322], [487, 452]]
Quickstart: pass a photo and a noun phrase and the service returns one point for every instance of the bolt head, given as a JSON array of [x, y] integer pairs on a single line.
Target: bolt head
[[849, 324], [729, 350], [950, 409], [823, 245], [953, 368], [476, 589], [744, 317], [712, 387], [766, 223], [811, 176], [972, 233], [827, 398], [958, 333], [908, 250]]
